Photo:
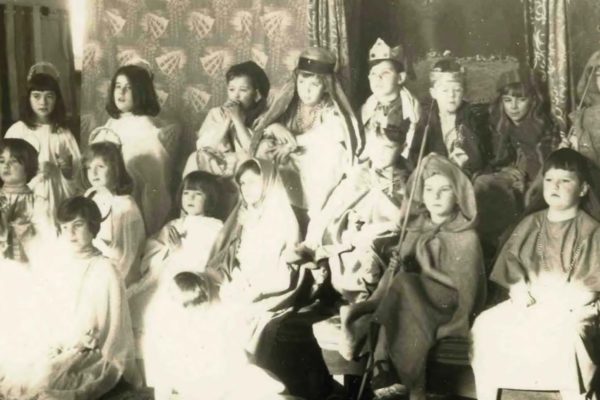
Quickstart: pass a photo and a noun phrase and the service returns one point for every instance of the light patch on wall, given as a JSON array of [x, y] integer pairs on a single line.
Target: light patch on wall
[[77, 17]]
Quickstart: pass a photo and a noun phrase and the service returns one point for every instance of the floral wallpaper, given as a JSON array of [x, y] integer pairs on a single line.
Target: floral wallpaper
[[190, 44]]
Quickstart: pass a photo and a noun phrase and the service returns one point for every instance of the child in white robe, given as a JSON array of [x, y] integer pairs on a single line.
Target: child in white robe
[[122, 235], [131, 102]]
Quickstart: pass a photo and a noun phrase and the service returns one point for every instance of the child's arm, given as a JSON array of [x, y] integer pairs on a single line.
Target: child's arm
[[236, 115]]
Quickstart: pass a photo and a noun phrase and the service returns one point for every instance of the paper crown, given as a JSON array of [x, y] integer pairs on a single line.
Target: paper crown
[[104, 134], [381, 51], [43, 67], [447, 69]]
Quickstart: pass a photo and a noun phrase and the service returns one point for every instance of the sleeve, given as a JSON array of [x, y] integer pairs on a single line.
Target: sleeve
[[509, 269], [155, 253], [128, 238], [213, 129]]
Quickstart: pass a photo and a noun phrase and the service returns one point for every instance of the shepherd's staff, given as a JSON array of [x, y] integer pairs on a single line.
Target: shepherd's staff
[[386, 279], [585, 90]]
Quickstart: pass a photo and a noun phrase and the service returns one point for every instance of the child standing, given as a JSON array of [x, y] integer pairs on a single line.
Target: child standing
[[541, 337], [391, 102], [121, 234], [457, 130], [225, 135], [44, 126], [310, 131], [131, 102], [18, 165]]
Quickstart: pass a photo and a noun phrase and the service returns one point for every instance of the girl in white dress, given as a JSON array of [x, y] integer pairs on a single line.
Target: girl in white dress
[[44, 126], [183, 244], [131, 102], [122, 233]]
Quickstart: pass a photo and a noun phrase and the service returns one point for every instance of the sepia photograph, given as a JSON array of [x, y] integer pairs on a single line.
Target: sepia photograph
[[299, 200]]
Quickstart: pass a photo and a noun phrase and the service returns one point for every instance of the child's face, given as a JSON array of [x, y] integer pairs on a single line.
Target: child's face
[[76, 234], [12, 171], [122, 95], [563, 189], [251, 187], [99, 174], [42, 103], [240, 90], [448, 95], [384, 79], [438, 196], [516, 107], [193, 201], [380, 150], [310, 89]]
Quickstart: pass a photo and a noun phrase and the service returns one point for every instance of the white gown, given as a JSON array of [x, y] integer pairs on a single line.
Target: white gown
[[148, 164]]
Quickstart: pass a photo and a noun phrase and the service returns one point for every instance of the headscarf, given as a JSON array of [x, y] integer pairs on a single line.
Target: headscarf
[[277, 221], [322, 62], [593, 92]]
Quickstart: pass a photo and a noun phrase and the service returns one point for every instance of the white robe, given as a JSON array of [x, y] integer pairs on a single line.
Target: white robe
[[148, 164]]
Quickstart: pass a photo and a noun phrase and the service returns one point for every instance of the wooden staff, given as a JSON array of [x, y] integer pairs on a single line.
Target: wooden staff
[[386, 279], [585, 90]]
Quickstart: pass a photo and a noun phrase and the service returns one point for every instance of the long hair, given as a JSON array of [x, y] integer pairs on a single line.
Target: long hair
[[538, 109], [145, 100], [58, 116], [111, 154]]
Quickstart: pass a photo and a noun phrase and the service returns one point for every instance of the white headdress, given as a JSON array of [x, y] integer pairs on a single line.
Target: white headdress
[[43, 67], [104, 134]]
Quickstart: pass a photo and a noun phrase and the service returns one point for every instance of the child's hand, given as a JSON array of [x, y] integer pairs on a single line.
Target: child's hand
[[282, 153], [65, 164], [459, 157], [233, 110], [174, 238], [281, 134]]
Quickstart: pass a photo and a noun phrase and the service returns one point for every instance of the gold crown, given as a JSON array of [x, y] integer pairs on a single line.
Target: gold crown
[[381, 51]]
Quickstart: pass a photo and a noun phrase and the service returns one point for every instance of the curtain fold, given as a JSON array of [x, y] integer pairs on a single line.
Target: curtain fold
[[549, 53], [328, 27], [30, 34]]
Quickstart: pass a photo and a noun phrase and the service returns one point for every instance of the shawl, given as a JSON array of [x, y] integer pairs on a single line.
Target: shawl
[[409, 107], [473, 135], [288, 97]]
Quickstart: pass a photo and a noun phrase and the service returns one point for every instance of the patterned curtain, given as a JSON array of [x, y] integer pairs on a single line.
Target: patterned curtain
[[190, 45], [549, 53], [29, 34], [327, 27]]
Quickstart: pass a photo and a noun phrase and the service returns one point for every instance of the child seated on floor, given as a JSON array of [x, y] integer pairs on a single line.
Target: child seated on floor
[[540, 338], [199, 353]]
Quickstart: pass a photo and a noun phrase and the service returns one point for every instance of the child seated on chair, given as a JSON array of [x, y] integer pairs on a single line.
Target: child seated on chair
[[457, 130], [439, 285], [201, 330], [225, 135], [391, 100], [550, 265]]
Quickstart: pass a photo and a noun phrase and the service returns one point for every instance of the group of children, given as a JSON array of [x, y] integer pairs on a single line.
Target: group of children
[[391, 219]]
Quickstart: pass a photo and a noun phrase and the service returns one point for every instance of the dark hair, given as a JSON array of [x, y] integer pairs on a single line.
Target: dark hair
[[569, 160], [58, 117], [207, 184], [24, 153], [81, 207], [145, 100], [260, 82], [537, 109], [111, 154], [200, 285], [250, 165], [398, 66]]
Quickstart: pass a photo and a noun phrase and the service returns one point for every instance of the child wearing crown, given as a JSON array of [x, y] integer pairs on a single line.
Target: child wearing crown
[[457, 129], [391, 102]]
